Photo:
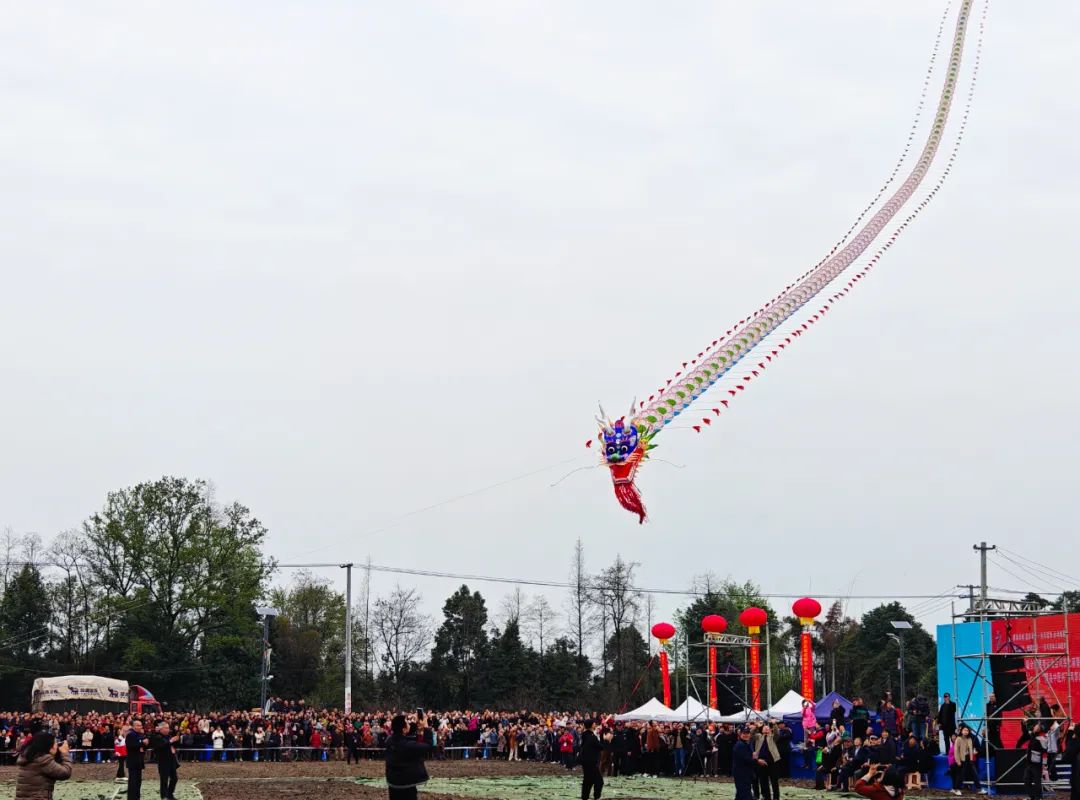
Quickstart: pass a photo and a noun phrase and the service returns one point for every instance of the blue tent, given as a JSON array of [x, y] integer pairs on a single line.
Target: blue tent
[[825, 704]]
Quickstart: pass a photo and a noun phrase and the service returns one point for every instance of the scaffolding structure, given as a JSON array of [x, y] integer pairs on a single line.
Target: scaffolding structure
[[727, 642], [987, 722]]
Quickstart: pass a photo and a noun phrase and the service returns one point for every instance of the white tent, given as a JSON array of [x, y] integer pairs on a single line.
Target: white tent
[[693, 711], [653, 709], [790, 703]]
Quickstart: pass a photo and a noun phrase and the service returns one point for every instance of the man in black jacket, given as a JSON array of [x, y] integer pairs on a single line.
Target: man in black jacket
[[946, 718], [589, 757], [164, 747], [405, 754], [743, 766], [135, 761]]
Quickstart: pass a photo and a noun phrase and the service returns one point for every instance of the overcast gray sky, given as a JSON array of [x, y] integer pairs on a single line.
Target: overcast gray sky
[[348, 260]]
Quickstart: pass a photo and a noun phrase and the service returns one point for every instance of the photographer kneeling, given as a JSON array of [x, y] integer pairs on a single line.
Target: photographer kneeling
[[409, 744]]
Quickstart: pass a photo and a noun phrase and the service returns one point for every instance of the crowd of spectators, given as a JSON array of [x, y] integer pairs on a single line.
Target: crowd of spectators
[[839, 753]]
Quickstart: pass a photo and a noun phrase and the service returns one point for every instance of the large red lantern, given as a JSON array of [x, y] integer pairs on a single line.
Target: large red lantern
[[714, 625], [753, 619], [664, 631], [806, 609]]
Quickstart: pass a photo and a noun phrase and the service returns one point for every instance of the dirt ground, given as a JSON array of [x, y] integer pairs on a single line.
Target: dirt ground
[[202, 771]]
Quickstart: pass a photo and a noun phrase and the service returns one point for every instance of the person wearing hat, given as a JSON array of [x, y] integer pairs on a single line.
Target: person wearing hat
[[744, 766]]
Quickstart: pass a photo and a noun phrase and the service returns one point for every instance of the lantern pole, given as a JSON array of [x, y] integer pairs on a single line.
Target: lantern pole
[[806, 609]]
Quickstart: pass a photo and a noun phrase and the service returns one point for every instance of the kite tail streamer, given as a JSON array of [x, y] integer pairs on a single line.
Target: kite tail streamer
[[676, 398]]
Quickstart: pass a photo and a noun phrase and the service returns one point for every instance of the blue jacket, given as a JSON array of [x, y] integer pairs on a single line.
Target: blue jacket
[[742, 761]]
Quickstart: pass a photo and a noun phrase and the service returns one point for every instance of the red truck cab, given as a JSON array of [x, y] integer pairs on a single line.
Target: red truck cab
[[141, 702]]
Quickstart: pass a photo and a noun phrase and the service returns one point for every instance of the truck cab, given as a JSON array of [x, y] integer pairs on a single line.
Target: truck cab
[[141, 702]]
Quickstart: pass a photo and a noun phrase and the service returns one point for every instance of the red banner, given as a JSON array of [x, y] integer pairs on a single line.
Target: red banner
[[1046, 654], [806, 653], [712, 677], [755, 669], [665, 678]]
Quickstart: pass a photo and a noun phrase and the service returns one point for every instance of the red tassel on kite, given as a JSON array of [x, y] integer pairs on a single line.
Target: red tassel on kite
[[740, 387], [588, 443], [706, 420], [724, 403], [731, 392], [697, 428]]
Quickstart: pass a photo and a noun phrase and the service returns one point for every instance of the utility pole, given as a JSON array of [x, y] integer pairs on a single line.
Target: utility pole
[[983, 549], [367, 620], [348, 636]]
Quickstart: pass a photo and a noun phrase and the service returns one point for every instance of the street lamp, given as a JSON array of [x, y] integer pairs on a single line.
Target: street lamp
[[265, 613], [900, 625]]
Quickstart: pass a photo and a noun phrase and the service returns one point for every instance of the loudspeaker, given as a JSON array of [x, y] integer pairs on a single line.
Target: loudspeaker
[[1009, 677], [1010, 768]]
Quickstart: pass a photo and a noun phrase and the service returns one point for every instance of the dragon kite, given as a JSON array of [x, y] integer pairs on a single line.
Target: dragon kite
[[625, 442]]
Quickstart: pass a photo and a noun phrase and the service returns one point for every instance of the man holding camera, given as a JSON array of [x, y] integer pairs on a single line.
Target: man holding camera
[[409, 744]]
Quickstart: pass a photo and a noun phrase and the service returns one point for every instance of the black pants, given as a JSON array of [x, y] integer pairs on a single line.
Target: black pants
[[120, 760], [134, 784], [591, 779], [1033, 780], [403, 794], [743, 790], [168, 776]]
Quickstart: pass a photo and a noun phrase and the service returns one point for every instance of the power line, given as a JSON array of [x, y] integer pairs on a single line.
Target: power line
[[426, 573], [1044, 568]]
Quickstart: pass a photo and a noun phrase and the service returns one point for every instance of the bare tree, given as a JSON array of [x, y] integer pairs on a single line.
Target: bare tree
[[513, 606], [541, 622], [579, 605], [400, 629], [620, 604]]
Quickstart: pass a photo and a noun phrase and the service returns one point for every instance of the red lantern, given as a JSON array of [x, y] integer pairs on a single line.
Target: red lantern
[[664, 631], [806, 609], [753, 618], [714, 623]]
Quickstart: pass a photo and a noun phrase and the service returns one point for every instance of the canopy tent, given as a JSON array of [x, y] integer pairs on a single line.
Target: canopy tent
[[691, 710], [790, 703], [825, 705], [653, 709]]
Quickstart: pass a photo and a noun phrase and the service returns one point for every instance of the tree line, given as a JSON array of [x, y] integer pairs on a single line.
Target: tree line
[[160, 588]]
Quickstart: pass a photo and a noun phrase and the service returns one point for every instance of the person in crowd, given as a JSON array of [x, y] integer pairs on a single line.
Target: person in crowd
[[42, 762], [679, 743], [837, 715], [879, 784], [967, 758], [1071, 756], [163, 745], [135, 745], [566, 748], [1036, 758], [886, 749], [743, 765], [120, 750], [783, 745], [993, 722], [856, 759], [767, 755], [860, 719], [406, 750], [589, 756], [946, 717], [919, 715]]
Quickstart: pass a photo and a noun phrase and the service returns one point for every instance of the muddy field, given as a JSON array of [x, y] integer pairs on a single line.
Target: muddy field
[[202, 771]]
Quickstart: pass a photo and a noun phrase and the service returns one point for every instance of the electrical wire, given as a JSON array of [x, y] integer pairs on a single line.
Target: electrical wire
[[1020, 565], [1042, 567]]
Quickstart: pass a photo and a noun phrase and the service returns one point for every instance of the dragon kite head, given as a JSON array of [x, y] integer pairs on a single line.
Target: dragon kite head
[[624, 449]]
